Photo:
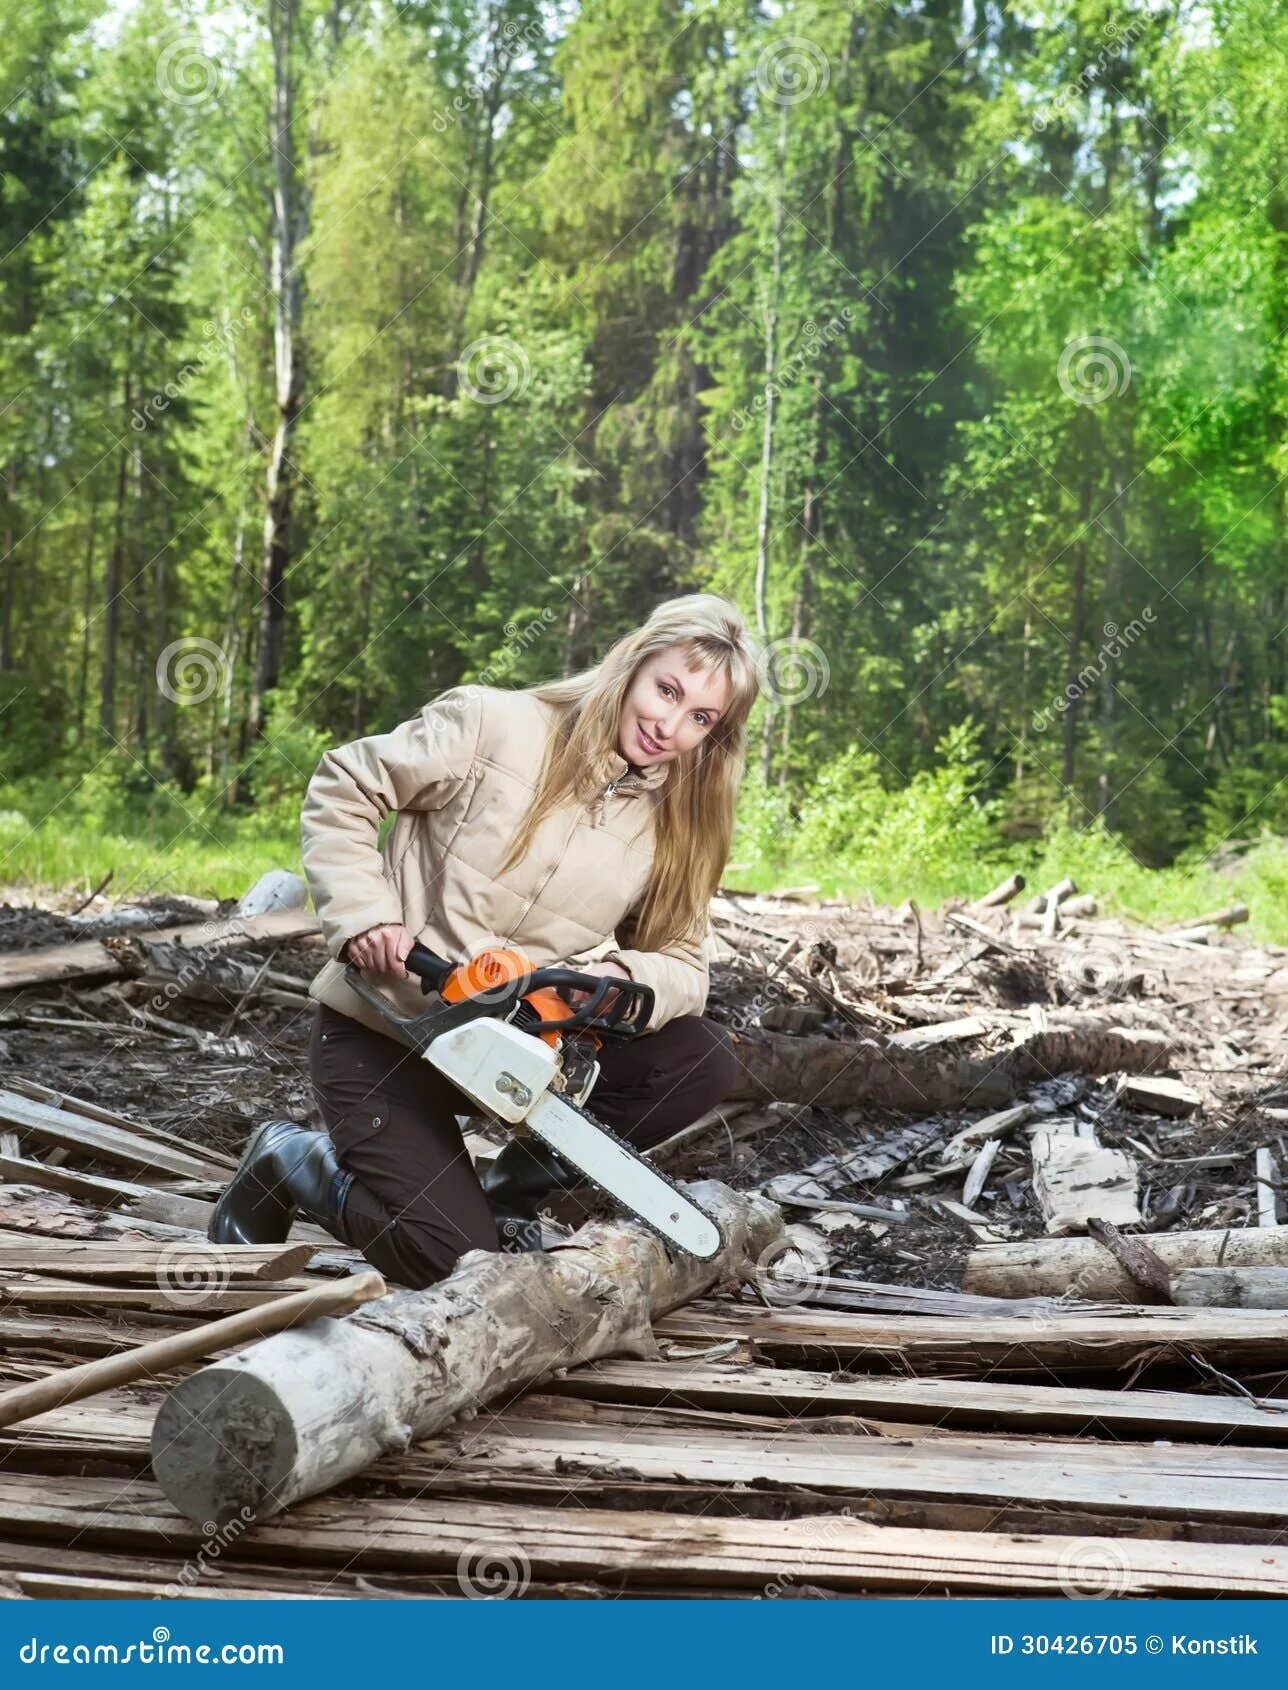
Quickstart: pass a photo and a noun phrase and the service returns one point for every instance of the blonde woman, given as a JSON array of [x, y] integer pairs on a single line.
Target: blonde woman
[[585, 818]]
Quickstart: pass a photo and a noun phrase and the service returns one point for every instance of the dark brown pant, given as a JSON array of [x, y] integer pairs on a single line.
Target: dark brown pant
[[415, 1204]]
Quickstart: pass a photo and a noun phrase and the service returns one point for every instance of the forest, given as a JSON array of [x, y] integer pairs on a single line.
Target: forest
[[349, 351]]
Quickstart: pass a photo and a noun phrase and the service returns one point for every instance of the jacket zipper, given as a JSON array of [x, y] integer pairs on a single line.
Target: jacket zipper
[[597, 812]]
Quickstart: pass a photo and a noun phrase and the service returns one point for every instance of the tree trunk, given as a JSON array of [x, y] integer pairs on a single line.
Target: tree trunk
[[770, 323], [290, 223], [112, 594], [306, 1410]]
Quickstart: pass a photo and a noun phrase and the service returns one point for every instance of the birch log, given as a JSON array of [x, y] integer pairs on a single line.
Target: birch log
[[307, 1409], [1052, 1267]]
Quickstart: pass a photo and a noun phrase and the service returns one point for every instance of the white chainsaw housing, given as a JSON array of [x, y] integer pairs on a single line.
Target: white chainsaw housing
[[502, 1069]]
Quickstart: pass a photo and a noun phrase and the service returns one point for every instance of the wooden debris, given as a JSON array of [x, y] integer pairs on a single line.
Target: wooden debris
[[1267, 1173], [1076, 1178], [1146, 1269], [1158, 1095]]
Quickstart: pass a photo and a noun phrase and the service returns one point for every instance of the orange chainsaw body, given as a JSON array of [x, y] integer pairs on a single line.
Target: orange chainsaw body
[[490, 969]]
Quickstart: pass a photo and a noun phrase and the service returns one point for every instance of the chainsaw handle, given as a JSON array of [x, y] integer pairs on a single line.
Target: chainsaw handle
[[628, 1015]]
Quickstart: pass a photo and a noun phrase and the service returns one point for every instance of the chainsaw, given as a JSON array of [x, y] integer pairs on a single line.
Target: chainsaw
[[508, 1036]]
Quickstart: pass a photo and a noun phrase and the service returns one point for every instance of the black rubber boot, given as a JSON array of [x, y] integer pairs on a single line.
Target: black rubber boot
[[284, 1168], [523, 1174]]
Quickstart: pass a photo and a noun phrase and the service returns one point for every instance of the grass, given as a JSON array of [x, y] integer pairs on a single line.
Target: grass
[[182, 847]]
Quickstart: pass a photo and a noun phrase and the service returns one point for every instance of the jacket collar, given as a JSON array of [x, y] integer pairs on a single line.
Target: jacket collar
[[646, 779]]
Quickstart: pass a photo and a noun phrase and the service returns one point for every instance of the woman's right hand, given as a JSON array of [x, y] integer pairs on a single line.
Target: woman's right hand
[[381, 950]]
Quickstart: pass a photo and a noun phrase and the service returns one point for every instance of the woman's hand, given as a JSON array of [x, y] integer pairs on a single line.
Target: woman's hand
[[380, 950], [608, 970]]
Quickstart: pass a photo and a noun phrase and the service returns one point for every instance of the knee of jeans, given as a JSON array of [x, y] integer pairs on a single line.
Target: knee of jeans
[[719, 1064], [432, 1254]]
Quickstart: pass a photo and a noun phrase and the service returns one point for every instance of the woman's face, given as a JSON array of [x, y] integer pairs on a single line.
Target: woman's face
[[669, 708]]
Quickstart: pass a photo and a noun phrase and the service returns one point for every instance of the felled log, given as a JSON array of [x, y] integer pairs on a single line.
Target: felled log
[[1079, 1267], [1232, 1288], [1230, 916], [188, 971], [303, 1411], [1001, 894], [88, 958], [840, 1073]]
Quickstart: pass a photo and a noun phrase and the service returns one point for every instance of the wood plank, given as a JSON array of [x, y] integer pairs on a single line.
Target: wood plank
[[985, 1404], [53, 1293], [83, 1106], [1095, 1343], [84, 958], [642, 1550], [939, 1032], [98, 1189], [183, 1262], [1194, 1482], [77, 1335], [103, 1141]]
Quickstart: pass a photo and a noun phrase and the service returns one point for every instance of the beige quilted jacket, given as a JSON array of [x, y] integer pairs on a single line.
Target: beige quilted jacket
[[459, 775]]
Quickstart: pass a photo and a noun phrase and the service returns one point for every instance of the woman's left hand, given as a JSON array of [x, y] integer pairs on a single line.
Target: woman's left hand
[[601, 970]]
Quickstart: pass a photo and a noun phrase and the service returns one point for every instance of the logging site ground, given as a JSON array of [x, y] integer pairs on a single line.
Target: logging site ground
[[1010, 1316]]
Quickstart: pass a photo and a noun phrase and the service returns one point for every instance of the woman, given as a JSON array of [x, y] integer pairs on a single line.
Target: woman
[[563, 819]]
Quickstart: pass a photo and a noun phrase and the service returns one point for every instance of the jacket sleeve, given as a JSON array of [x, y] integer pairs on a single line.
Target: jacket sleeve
[[418, 765], [680, 975]]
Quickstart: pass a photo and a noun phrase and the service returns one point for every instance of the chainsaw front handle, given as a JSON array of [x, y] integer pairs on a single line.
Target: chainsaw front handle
[[625, 1016]]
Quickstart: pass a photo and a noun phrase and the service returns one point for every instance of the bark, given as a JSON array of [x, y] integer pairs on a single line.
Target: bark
[[1081, 1267], [839, 1073], [304, 1411]]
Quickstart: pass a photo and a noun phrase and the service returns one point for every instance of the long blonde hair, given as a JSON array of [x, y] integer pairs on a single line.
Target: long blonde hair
[[694, 814]]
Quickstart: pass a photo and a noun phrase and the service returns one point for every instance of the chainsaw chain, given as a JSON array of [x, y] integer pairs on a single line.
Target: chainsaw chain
[[630, 1149]]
